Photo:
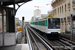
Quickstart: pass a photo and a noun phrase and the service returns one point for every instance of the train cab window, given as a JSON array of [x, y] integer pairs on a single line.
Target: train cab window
[[53, 23]]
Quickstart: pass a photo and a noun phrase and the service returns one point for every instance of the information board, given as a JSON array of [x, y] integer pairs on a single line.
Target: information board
[[9, 39]]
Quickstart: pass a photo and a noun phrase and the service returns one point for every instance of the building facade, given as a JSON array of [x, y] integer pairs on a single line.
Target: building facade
[[44, 15], [32, 19], [17, 20], [63, 9], [37, 14]]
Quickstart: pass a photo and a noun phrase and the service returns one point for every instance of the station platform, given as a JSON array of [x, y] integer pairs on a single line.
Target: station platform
[[17, 47]]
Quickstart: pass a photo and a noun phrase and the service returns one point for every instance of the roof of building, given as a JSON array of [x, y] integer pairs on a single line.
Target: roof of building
[[44, 15], [10, 2], [37, 10]]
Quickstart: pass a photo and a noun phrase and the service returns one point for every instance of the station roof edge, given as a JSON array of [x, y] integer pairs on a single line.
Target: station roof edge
[[11, 2]]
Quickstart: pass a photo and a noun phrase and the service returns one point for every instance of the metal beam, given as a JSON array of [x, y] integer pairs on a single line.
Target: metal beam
[[10, 2]]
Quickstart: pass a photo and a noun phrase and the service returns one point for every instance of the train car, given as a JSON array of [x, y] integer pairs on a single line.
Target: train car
[[48, 26]]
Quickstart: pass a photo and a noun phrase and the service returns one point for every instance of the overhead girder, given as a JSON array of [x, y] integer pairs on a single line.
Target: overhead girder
[[10, 2], [13, 2]]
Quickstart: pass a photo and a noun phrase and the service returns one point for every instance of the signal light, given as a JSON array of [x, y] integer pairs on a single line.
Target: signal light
[[22, 18], [71, 15]]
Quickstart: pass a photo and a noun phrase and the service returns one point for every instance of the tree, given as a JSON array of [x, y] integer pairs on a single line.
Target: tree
[[50, 15], [17, 24]]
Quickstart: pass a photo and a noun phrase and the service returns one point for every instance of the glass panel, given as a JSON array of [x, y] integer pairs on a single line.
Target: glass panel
[[73, 1], [73, 11], [4, 23], [0, 21], [4, 20], [54, 23], [69, 3]]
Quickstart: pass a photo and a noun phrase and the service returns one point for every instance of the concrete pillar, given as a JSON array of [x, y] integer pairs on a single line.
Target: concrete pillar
[[71, 8], [54, 13], [71, 12], [61, 11], [63, 17], [67, 13], [57, 12], [60, 17]]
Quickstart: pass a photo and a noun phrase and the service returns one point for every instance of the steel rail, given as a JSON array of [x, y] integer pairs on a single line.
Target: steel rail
[[29, 41], [70, 45], [49, 48], [68, 40], [65, 44], [48, 42], [34, 40]]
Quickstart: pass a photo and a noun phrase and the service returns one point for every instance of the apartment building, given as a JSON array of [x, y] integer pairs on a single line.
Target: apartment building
[[37, 14], [63, 9]]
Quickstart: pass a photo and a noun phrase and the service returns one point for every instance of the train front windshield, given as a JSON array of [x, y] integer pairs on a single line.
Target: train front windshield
[[54, 23]]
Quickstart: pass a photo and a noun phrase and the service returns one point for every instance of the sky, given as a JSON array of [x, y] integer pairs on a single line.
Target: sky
[[27, 10]]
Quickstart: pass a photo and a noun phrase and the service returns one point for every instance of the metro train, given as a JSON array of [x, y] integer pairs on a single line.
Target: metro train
[[50, 26]]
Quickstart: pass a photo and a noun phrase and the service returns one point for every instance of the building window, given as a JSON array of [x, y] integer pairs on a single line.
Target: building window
[[65, 7], [73, 11], [73, 1], [62, 8], [4, 20], [58, 10], [55, 11]]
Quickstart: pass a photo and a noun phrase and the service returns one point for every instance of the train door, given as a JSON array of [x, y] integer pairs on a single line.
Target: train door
[[7, 27]]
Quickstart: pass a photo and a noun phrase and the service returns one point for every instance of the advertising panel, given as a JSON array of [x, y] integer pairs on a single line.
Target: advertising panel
[[9, 39]]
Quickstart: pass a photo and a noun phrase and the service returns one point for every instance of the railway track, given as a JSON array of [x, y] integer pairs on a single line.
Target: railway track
[[37, 43], [56, 44], [47, 45]]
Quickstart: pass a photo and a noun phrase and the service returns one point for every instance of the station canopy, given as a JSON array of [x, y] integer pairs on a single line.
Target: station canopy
[[10, 2]]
